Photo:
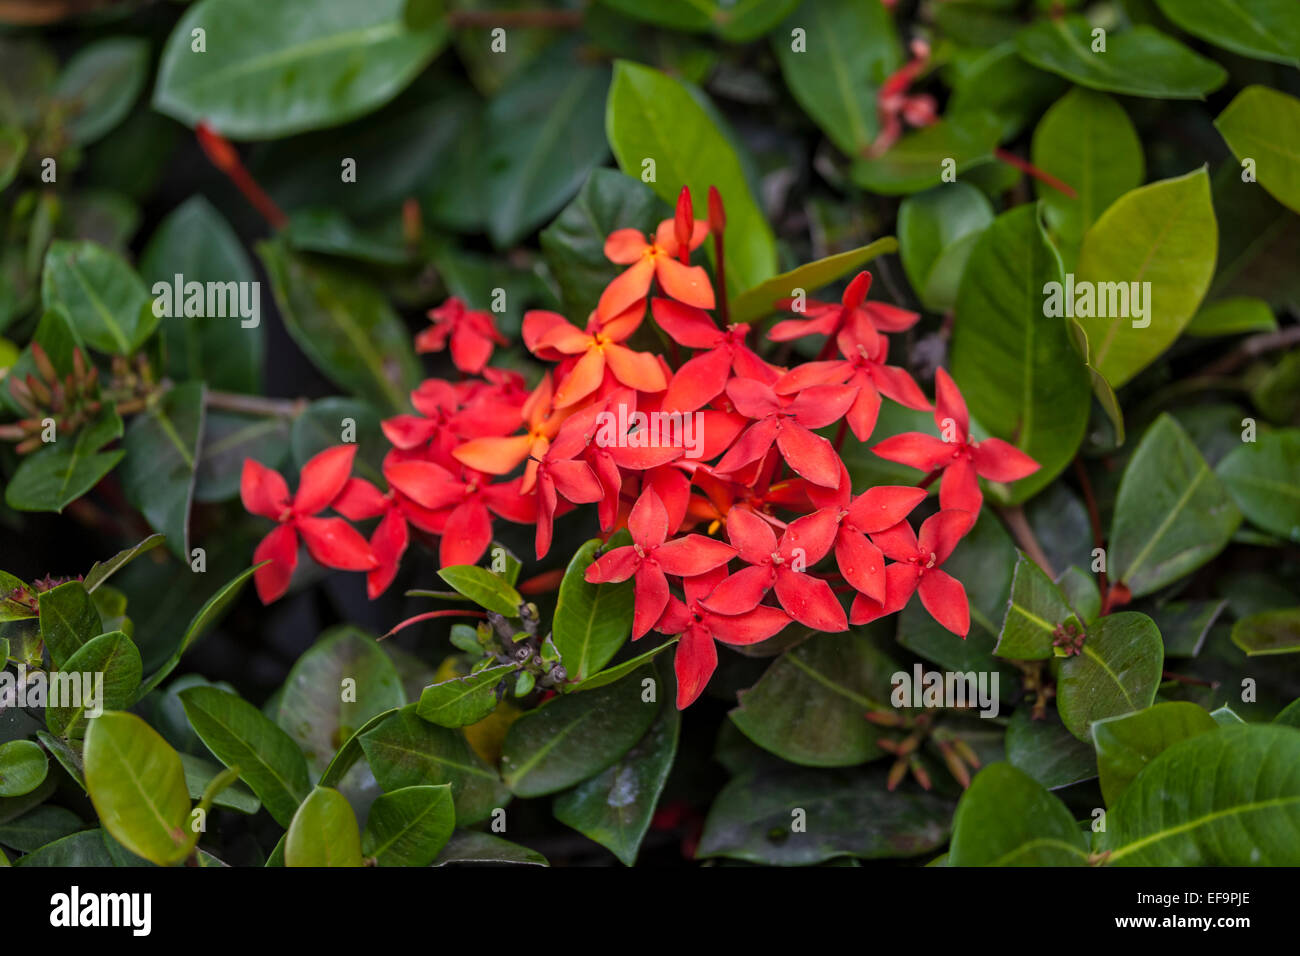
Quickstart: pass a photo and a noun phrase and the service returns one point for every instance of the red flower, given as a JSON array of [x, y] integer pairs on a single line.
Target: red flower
[[696, 657], [787, 421], [472, 334], [330, 541], [916, 568], [662, 259], [702, 379], [651, 557], [549, 335], [862, 319], [960, 459], [807, 599], [359, 501]]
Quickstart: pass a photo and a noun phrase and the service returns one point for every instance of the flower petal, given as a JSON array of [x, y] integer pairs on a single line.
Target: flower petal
[[945, 599], [694, 662], [651, 593], [926, 452], [741, 591], [280, 547], [336, 544], [748, 628], [948, 404], [884, 506], [322, 478], [809, 455], [262, 490], [997, 460], [466, 535], [810, 601], [628, 289], [693, 554], [861, 563], [688, 284]]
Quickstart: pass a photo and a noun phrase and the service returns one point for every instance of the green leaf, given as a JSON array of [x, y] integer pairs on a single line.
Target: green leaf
[[1226, 798], [101, 571], [38, 827], [221, 346], [211, 611], [1263, 124], [651, 116], [351, 751], [1080, 589], [1264, 29], [1269, 632], [1172, 513], [571, 738], [323, 832], [101, 82], [1139, 62], [273, 71], [343, 681], [1036, 609], [1118, 671], [847, 813], [920, 159], [405, 751], [462, 701], [574, 243], [240, 736], [937, 230], [1087, 141], [1258, 240], [1165, 234], [620, 670], [104, 299], [86, 848], [1003, 85], [228, 439], [409, 827], [137, 784], [470, 846], [545, 133], [13, 146], [59, 474], [1048, 752], [483, 588], [615, 807], [1125, 745], [592, 621], [328, 422], [69, 758], [1288, 716], [757, 302], [1263, 478], [68, 620], [199, 775], [162, 449], [1013, 362], [23, 766], [849, 49], [112, 657], [808, 706], [344, 325], [1006, 818], [1232, 316]]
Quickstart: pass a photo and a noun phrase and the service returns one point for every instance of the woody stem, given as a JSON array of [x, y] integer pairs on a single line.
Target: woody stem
[[1014, 517], [255, 404], [1094, 519]]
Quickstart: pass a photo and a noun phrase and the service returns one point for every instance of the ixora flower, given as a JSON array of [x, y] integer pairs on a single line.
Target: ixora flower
[[472, 335], [961, 460], [330, 541]]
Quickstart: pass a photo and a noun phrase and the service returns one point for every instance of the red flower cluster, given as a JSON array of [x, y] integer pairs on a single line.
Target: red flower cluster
[[727, 440]]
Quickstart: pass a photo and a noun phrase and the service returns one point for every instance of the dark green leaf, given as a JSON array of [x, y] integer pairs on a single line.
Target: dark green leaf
[[1118, 671], [101, 571], [1269, 632], [1263, 478], [68, 620], [937, 230], [162, 449], [592, 621], [101, 82], [59, 474], [112, 657], [1265, 29], [1036, 609], [462, 701], [470, 846], [1007, 818], [922, 157], [409, 827], [757, 302], [1125, 745], [23, 766], [104, 299], [1048, 752]]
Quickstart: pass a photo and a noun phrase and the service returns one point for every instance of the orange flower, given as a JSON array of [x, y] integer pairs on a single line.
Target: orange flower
[[660, 259], [549, 335], [501, 455]]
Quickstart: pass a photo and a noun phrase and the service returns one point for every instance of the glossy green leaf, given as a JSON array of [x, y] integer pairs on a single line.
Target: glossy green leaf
[[937, 230], [1080, 589], [200, 773], [1125, 745], [574, 243], [240, 736], [1259, 238], [323, 832], [162, 448], [848, 50], [808, 707], [462, 701], [1117, 672], [68, 620], [1232, 316], [1036, 610], [1001, 84], [103, 297], [1172, 513], [471, 846], [351, 751], [228, 439], [1087, 141], [274, 71], [112, 658], [1269, 632], [1048, 752], [222, 346], [1019, 373], [1263, 478], [409, 827], [620, 670], [101, 571], [38, 827], [405, 751], [344, 325], [137, 784], [1263, 124], [1006, 818], [55, 476], [845, 813], [592, 621], [102, 81], [23, 766], [1230, 797], [1264, 29], [1138, 62], [545, 133], [330, 421], [921, 158], [85, 848], [571, 738], [1165, 234], [652, 116], [615, 807], [483, 588], [757, 302]]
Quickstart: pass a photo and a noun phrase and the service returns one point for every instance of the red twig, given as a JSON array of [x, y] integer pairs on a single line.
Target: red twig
[[429, 615], [1094, 518], [1031, 170], [223, 156]]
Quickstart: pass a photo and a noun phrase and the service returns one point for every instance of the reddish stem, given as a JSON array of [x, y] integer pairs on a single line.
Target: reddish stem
[[430, 615], [929, 479], [1094, 518], [223, 156], [1031, 170]]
